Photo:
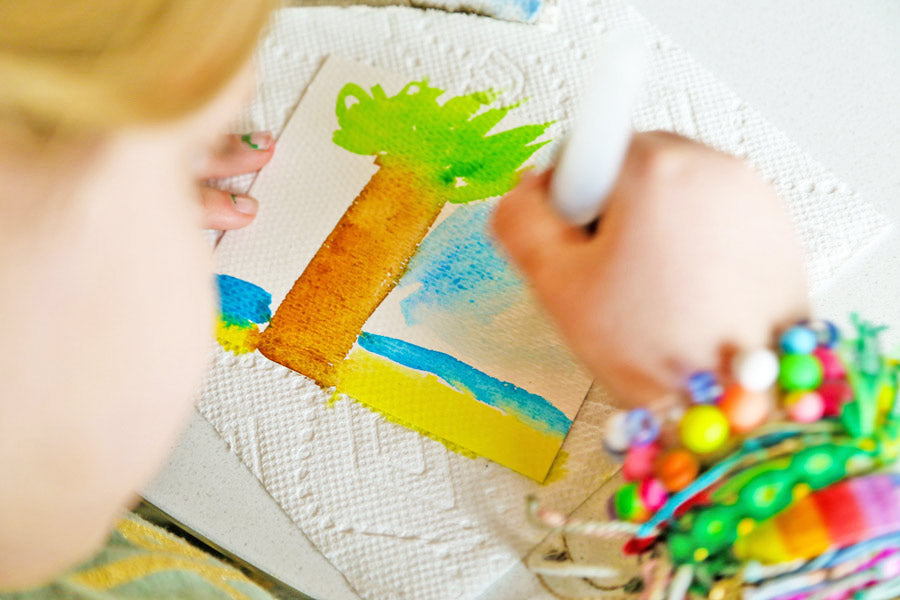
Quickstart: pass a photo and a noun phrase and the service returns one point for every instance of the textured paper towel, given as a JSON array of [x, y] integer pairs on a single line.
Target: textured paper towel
[[526, 11], [398, 514]]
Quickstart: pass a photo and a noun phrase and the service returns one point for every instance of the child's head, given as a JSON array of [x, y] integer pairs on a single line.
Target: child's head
[[105, 283], [95, 65]]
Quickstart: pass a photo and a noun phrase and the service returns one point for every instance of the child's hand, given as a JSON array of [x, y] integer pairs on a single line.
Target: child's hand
[[236, 155], [694, 257]]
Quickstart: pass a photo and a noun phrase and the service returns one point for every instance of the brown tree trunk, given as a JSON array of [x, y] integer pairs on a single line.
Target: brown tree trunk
[[353, 271]]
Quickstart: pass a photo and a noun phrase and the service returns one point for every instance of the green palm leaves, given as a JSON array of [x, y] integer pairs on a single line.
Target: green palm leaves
[[447, 145]]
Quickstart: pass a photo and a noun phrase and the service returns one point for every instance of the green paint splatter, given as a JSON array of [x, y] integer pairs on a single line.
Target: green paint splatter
[[447, 145], [246, 139]]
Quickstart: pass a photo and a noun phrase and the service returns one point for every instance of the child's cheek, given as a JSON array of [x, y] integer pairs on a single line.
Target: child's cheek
[[158, 300]]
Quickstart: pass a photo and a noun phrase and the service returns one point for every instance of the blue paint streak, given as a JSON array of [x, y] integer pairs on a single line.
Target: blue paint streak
[[521, 10], [531, 409], [242, 303], [529, 8], [460, 270]]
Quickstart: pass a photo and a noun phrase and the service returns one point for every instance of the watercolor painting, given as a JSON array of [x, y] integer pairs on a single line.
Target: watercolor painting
[[407, 306], [428, 154]]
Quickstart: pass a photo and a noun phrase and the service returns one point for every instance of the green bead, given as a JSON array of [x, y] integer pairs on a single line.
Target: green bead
[[799, 372], [627, 502]]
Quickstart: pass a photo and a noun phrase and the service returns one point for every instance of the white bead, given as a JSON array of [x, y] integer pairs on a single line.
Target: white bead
[[615, 436], [755, 370]]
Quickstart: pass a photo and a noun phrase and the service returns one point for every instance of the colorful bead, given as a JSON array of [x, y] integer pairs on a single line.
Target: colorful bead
[[677, 469], [615, 437], [832, 367], [653, 493], [799, 372], [703, 429], [744, 409], [804, 407], [641, 427], [835, 393], [756, 370], [639, 462], [628, 504], [703, 387], [798, 340], [827, 333]]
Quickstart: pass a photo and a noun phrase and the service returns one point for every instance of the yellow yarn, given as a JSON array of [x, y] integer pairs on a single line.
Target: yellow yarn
[[165, 552]]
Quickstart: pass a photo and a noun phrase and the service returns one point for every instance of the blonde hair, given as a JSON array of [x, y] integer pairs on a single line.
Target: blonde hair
[[94, 65]]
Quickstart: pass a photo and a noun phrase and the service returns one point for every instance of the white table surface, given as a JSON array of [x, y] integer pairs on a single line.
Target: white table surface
[[826, 72]]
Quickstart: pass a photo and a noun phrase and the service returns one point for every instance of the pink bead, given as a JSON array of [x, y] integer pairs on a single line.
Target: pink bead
[[653, 493], [639, 462], [804, 407], [835, 393], [832, 366]]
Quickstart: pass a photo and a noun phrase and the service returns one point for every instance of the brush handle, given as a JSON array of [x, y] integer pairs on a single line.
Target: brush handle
[[592, 156]]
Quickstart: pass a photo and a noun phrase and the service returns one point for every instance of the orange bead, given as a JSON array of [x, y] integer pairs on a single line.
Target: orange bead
[[676, 469], [745, 409]]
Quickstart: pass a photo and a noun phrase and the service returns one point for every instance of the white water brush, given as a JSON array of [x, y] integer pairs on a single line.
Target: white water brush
[[592, 156]]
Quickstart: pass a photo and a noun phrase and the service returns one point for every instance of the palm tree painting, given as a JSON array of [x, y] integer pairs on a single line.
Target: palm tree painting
[[429, 154], [455, 354]]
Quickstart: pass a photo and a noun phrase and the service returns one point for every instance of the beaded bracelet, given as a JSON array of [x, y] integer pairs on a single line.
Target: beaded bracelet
[[771, 473]]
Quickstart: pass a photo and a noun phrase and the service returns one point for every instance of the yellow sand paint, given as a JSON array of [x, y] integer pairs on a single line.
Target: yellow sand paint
[[338, 396], [410, 396], [558, 469], [235, 338]]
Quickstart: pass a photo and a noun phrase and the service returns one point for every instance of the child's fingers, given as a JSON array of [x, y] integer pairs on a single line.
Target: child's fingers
[[224, 210], [530, 230], [240, 154]]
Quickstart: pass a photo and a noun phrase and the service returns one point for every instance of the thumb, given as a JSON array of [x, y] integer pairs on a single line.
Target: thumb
[[528, 228]]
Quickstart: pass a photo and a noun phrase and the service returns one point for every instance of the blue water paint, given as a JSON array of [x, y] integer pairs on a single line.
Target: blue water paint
[[458, 269], [525, 10], [514, 10], [242, 303], [531, 409]]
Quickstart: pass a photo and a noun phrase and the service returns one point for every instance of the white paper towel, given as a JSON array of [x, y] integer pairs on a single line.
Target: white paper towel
[[526, 11], [398, 514]]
